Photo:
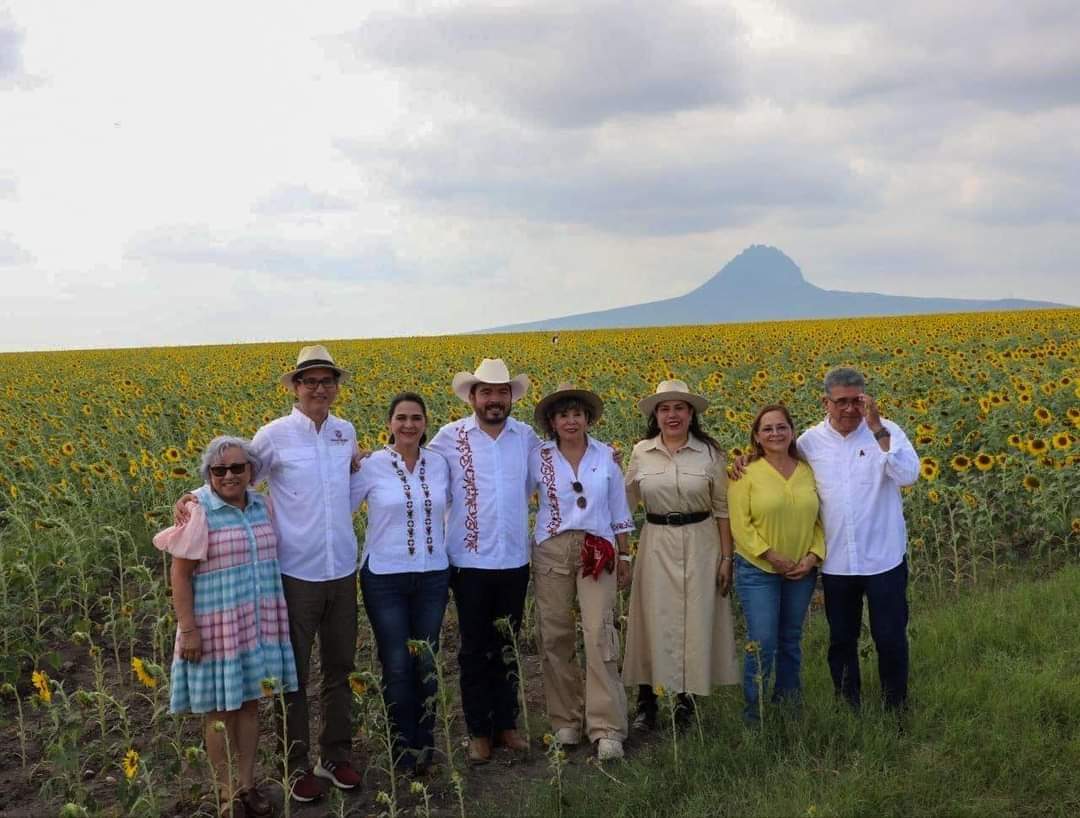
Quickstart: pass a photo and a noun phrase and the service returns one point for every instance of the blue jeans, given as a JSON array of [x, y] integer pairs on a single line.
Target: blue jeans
[[775, 610], [401, 607]]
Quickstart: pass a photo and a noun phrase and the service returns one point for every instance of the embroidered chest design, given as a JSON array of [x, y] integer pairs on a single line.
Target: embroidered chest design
[[472, 506], [547, 477], [410, 515]]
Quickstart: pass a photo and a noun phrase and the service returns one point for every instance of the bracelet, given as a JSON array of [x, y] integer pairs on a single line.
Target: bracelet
[[625, 557], [726, 557], [189, 630]]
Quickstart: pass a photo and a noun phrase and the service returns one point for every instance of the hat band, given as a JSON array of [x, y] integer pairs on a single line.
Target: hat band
[[316, 362]]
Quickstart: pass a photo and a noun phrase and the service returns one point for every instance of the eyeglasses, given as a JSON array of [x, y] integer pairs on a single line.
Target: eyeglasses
[[315, 383], [581, 501], [844, 403], [234, 468]]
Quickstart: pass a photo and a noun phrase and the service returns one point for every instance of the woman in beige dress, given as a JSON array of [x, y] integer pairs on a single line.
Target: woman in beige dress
[[680, 635]]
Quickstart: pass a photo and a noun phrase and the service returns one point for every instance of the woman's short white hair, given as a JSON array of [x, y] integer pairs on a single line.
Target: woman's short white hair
[[216, 447]]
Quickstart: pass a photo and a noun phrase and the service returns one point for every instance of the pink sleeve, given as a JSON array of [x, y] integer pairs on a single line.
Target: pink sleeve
[[188, 540]]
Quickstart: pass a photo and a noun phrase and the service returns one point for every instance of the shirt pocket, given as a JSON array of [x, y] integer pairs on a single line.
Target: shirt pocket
[[695, 489], [865, 468], [298, 468]]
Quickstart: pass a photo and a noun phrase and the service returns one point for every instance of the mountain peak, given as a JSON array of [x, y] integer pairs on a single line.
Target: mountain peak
[[758, 266]]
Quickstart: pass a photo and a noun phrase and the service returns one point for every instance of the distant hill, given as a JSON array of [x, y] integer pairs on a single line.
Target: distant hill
[[763, 284]]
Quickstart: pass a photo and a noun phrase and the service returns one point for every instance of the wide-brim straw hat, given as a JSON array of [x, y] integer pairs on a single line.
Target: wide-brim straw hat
[[567, 390], [672, 390], [314, 357], [493, 371]]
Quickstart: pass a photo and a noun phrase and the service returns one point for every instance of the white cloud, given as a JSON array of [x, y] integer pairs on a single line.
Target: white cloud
[[397, 164]]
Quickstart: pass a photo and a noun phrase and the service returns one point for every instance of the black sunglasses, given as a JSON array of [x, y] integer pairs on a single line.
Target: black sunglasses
[[581, 501], [235, 468]]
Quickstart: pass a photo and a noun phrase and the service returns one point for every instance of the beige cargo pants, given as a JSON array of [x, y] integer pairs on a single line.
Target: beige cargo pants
[[599, 703]]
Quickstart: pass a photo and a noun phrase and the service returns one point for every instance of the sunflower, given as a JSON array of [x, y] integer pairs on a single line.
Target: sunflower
[[960, 463], [933, 496], [1043, 416], [928, 468], [1024, 397], [1037, 446], [178, 473], [1015, 441], [68, 449], [171, 454], [1062, 441], [138, 667], [1031, 483], [130, 764], [984, 462], [1076, 525], [40, 680]]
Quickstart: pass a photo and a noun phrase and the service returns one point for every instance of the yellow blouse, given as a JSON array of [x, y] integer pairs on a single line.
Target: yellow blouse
[[768, 511]]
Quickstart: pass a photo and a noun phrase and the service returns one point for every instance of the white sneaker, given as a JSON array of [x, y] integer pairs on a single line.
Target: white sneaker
[[568, 736], [609, 749]]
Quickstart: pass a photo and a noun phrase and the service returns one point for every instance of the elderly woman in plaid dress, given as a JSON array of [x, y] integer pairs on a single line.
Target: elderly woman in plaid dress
[[232, 624]]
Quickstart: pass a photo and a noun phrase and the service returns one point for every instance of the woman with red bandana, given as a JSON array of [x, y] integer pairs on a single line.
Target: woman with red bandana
[[581, 553]]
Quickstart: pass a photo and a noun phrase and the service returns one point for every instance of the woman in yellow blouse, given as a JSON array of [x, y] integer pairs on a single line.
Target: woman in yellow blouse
[[779, 543]]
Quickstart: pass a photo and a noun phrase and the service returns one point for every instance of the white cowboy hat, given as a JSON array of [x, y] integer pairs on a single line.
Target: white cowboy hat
[[566, 390], [314, 357], [491, 370], [672, 390]]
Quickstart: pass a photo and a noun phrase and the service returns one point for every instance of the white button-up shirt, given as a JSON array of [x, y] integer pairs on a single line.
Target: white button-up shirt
[[386, 540], [859, 486], [308, 473], [488, 525], [606, 512]]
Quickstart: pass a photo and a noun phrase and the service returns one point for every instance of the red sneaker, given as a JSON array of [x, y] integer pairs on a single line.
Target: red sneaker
[[305, 787], [339, 773]]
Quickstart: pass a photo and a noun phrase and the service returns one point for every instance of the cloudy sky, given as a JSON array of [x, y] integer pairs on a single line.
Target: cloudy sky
[[213, 172]]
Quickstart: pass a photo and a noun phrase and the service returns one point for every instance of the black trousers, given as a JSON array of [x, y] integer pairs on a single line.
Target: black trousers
[[886, 595], [489, 678]]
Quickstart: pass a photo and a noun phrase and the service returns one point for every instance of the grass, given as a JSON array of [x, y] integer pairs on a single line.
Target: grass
[[994, 730]]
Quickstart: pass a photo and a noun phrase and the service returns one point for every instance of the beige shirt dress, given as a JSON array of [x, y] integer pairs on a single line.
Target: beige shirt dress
[[680, 632]]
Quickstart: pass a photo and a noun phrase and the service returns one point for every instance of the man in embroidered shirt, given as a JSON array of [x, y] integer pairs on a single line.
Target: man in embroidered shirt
[[860, 462], [487, 540], [306, 458]]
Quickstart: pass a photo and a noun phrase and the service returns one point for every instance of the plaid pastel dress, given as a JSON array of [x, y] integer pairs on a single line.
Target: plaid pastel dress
[[239, 605]]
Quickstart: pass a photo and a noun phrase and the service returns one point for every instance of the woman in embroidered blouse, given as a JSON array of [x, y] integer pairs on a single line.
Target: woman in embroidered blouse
[[680, 634], [582, 509], [232, 624], [405, 572], [779, 543]]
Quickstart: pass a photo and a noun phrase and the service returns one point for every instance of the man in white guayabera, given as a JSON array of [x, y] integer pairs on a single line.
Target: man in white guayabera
[[306, 458], [487, 540], [860, 462]]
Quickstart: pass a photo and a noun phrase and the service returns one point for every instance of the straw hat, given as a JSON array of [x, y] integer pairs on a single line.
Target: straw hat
[[566, 390], [314, 357], [671, 390], [491, 370]]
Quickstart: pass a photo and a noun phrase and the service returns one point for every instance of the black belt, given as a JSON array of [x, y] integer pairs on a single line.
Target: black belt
[[678, 517]]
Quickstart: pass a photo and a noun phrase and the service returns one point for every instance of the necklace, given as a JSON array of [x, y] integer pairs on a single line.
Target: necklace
[[410, 520]]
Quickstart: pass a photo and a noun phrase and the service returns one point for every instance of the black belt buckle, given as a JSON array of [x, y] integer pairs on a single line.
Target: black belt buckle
[[674, 518]]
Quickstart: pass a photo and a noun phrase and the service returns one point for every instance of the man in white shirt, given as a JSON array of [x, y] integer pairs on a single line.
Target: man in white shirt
[[487, 540], [306, 458], [860, 462]]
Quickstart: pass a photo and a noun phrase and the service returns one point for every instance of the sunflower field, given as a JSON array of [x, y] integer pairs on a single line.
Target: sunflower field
[[96, 446]]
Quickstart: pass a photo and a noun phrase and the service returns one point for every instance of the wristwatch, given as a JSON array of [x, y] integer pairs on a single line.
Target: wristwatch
[[625, 557], [882, 432]]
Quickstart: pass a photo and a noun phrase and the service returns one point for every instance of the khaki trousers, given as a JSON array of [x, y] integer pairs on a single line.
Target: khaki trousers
[[601, 702]]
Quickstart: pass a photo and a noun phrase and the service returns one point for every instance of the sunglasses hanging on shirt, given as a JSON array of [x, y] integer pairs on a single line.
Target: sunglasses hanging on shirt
[[581, 501]]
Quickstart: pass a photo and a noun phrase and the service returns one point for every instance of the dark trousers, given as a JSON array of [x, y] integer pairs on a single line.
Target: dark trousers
[[328, 610], [404, 607], [489, 678], [886, 596]]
